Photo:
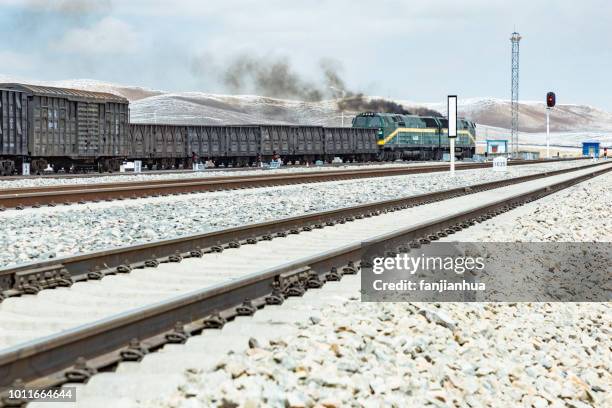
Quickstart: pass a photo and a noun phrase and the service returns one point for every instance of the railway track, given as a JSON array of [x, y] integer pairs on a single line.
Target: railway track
[[68, 176], [20, 198], [32, 277], [77, 353]]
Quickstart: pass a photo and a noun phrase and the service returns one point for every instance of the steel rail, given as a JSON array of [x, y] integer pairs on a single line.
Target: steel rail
[[77, 354], [30, 278], [68, 176], [80, 193]]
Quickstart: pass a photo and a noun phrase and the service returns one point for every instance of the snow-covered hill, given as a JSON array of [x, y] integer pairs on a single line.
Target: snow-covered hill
[[202, 108], [532, 115], [560, 139]]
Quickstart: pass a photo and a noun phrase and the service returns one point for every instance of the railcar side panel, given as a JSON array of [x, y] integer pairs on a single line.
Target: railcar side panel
[[114, 138], [364, 140], [308, 140], [215, 137], [338, 141], [243, 141], [13, 123], [53, 127], [276, 139], [137, 143]]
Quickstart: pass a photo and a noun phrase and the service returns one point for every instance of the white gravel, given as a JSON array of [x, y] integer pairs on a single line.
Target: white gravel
[[469, 354], [391, 355], [101, 179], [43, 233], [580, 213]]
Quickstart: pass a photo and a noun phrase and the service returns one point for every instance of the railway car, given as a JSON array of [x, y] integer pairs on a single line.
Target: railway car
[[244, 145], [64, 128], [77, 130], [351, 144], [412, 137], [13, 129]]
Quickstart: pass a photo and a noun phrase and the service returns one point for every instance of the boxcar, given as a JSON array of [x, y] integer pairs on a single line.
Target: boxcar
[[243, 144], [338, 142], [159, 145], [307, 143], [207, 142], [13, 129], [276, 139], [68, 128]]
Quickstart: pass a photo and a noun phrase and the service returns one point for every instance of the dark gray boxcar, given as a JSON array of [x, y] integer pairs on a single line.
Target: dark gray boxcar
[[243, 141], [276, 139], [158, 141], [13, 123], [307, 140], [207, 141], [74, 123], [338, 140], [174, 141], [137, 139], [365, 140]]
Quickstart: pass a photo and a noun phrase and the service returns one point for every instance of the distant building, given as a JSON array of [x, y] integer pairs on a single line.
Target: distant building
[[528, 155], [590, 149], [497, 146]]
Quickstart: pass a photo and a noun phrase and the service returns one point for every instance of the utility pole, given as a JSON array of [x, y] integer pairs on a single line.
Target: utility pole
[[343, 92], [516, 37], [452, 129], [551, 100], [548, 133]]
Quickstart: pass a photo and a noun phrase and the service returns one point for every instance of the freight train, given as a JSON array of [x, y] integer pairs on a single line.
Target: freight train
[[77, 130]]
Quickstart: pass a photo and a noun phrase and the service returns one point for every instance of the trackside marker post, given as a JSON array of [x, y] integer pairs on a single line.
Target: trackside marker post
[[452, 130]]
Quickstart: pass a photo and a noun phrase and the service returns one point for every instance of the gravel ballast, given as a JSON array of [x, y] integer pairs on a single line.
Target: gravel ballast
[[437, 354], [127, 178], [44, 233]]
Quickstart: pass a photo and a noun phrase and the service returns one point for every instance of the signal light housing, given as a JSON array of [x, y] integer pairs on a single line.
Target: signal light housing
[[551, 99]]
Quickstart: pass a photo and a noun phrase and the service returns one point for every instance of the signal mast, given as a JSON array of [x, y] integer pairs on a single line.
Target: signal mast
[[551, 99]]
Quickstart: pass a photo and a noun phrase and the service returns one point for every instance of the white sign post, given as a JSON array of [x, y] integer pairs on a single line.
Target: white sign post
[[137, 166], [452, 130], [25, 169], [500, 164], [548, 133]]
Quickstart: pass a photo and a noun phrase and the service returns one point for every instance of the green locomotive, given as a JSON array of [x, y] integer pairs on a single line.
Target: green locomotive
[[412, 137]]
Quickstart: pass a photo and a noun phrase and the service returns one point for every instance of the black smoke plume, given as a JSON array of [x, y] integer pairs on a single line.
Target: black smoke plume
[[359, 103], [276, 78], [269, 78], [427, 112]]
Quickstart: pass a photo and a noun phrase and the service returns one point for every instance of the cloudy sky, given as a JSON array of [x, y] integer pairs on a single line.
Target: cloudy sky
[[414, 50]]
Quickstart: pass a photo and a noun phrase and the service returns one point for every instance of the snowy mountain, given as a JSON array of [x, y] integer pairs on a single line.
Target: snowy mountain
[[532, 115]]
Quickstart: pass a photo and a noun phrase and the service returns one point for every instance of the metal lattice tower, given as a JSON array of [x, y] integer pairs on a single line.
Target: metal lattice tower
[[515, 91]]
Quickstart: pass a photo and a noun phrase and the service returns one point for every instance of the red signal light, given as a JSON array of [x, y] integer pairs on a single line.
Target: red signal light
[[550, 99]]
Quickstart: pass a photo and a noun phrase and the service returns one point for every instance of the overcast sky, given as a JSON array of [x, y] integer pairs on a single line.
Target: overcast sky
[[414, 50]]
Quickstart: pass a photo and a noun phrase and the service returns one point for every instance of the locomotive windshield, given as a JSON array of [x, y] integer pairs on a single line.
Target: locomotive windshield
[[367, 122], [430, 122]]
